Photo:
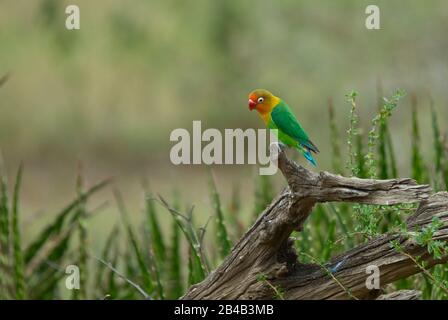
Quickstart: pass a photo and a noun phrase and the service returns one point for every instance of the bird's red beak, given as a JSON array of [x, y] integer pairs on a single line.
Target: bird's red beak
[[252, 104]]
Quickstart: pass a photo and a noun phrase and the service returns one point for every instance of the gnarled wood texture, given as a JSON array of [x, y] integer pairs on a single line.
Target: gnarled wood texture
[[401, 295], [266, 249]]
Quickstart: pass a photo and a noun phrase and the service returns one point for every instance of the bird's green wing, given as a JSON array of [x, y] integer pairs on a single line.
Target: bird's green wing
[[285, 120]]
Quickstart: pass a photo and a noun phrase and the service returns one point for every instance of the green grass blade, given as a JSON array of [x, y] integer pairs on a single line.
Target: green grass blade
[[5, 237], [383, 139], [134, 285], [329, 242], [112, 286], [19, 271], [303, 240], [106, 255], [48, 288], [198, 262], [373, 136], [44, 277], [222, 239], [56, 226], [393, 170], [196, 272], [148, 284], [156, 270], [83, 242], [175, 280], [382, 155], [445, 174], [174, 273], [342, 225], [132, 270], [360, 156], [441, 164], [82, 238], [438, 147], [352, 132], [155, 231], [322, 220], [191, 272], [417, 162], [335, 140]]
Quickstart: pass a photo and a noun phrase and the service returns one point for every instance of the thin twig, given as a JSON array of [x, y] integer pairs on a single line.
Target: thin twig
[[193, 236], [165, 204], [426, 272], [118, 273], [203, 230], [277, 292], [330, 274]]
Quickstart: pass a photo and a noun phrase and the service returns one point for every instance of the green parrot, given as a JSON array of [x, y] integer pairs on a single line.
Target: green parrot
[[276, 114]]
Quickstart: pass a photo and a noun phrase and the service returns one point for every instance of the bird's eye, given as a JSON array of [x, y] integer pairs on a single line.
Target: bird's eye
[[260, 100]]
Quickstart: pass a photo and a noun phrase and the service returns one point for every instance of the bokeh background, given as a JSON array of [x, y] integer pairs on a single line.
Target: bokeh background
[[110, 93]]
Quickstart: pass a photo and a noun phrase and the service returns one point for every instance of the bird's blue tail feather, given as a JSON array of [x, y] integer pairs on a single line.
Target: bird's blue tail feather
[[310, 158]]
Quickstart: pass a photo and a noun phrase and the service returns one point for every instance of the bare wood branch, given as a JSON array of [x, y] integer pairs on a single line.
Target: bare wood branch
[[267, 250], [379, 252], [401, 295]]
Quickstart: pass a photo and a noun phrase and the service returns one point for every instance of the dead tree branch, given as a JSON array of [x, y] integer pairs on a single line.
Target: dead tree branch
[[401, 295], [266, 250]]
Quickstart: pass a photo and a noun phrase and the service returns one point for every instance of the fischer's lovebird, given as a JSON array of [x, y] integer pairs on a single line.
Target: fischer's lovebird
[[276, 114]]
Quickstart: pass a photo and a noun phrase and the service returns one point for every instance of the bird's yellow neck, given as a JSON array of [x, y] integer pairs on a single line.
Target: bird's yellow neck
[[266, 116], [265, 109]]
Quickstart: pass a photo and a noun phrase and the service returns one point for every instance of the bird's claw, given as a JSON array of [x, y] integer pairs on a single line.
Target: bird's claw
[[276, 148]]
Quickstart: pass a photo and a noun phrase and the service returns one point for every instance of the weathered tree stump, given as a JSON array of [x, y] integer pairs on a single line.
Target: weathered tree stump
[[267, 250]]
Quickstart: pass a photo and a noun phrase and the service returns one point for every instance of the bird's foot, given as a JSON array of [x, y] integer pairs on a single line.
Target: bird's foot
[[282, 146], [276, 148]]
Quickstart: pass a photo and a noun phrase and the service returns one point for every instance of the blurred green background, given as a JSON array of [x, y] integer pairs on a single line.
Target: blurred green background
[[110, 93]]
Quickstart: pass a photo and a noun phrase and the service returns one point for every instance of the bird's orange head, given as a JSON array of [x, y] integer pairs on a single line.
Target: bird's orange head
[[262, 100]]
